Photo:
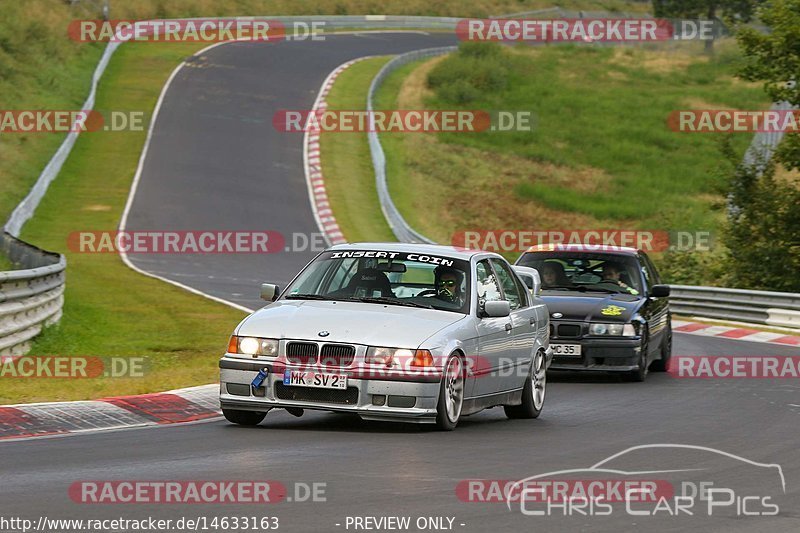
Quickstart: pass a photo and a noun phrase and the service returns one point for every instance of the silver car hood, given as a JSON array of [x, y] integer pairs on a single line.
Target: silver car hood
[[349, 322]]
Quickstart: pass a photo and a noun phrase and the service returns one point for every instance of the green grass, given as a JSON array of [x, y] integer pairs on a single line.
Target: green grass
[[346, 162], [600, 155], [5, 263], [110, 309], [604, 108]]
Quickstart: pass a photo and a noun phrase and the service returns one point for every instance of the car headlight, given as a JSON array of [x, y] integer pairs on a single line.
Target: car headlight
[[613, 330], [254, 346], [397, 357]]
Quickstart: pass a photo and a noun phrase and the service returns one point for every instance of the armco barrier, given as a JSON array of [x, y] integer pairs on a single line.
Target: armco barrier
[[397, 223], [756, 307], [30, 298]]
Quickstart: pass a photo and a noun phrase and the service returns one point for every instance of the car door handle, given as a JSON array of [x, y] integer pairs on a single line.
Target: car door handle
[[508, 326], [533, 320]]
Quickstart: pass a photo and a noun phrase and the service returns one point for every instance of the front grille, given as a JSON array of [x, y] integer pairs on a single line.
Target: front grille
[[569, 330], [301, 353], [337, 354], [308, 394]]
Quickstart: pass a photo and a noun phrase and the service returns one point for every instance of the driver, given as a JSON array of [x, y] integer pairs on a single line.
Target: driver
[[448, 284], [612, 273]]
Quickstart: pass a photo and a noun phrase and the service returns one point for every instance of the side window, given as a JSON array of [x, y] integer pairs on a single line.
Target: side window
[[653, 276], [486, 284], [509, 283]]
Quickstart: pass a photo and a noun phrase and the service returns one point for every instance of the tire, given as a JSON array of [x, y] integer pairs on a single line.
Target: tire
[[662, 365], [533, 392], [640, 374], [243, 418], [451, 394]]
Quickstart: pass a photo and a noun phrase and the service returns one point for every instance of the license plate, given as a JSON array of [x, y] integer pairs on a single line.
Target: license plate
[[566, 349], [317, 380]]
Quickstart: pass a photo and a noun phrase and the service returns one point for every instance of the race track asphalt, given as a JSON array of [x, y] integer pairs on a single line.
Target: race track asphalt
[[216, 163]]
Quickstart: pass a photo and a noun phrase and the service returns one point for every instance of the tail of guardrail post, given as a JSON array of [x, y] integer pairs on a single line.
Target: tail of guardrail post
[[30, 298]]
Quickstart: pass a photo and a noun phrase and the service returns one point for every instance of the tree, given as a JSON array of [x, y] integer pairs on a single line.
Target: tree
[[763, 233], [774, 58], [734, 10]]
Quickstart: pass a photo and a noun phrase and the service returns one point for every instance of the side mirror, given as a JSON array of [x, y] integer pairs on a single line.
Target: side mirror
[[497, 308], [529, 276], [269, 292], [659, 291]]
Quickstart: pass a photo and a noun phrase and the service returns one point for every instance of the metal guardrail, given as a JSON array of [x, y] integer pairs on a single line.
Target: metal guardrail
[[397, 223], [756, 307], [30, 298]]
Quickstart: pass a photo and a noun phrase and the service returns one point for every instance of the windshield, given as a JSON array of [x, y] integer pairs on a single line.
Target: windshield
[[385, 277], [585, 271]]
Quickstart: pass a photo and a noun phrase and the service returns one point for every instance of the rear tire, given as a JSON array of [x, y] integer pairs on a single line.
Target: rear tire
[[451, 394], [243, 418], [533, 392]]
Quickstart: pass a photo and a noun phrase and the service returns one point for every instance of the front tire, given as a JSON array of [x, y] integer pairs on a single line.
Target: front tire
[[662, 365], [451, 394], [243, 418], [640, 374], [533, 392]]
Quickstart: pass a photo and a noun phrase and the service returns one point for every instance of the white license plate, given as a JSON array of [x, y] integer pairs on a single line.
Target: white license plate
[[317, 380], [566, 349]]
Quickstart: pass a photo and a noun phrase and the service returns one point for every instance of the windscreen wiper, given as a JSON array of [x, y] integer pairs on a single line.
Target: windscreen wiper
[[391, 301], [308, 297]]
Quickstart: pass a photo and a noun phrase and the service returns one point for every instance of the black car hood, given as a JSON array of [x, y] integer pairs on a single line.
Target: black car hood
[[593, 307]]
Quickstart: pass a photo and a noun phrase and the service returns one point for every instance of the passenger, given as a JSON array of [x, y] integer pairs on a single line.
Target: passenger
[[553, 275]]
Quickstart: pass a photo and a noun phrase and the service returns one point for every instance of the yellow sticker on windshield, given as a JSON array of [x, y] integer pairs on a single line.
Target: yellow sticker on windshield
[[612, 310]]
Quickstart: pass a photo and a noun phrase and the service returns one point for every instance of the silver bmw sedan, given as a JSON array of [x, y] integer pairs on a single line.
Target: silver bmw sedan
[[389, 331]]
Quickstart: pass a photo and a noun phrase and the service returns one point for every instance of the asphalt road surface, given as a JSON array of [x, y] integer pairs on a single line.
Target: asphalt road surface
[[212, 165], [216, 162]]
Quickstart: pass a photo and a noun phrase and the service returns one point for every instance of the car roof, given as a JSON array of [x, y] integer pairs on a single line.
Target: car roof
[[590, 248], [454, 252]]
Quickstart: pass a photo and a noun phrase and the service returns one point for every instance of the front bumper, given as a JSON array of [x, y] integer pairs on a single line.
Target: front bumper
[[597, 354], [372, 397]]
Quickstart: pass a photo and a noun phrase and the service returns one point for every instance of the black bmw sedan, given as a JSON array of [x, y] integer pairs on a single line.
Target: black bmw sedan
[[608, 308]]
